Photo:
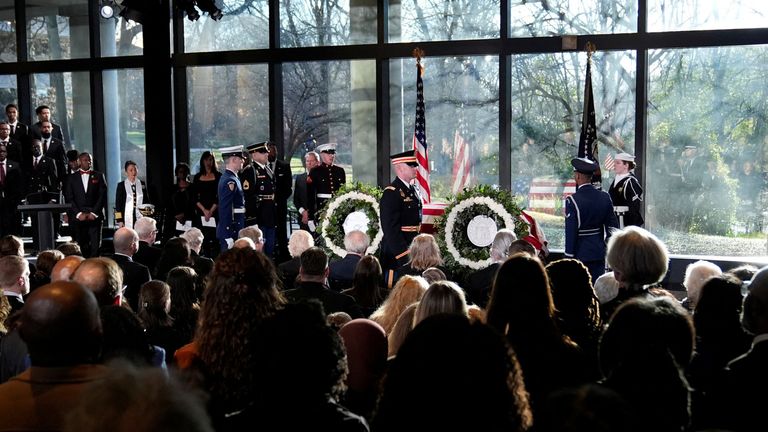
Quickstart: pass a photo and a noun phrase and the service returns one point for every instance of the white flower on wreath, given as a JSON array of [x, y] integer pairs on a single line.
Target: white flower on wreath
[[334, 204], [494, 206]]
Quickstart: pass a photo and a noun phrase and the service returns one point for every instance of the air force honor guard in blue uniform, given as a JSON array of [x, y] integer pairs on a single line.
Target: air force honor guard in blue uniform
[[400, 209], [231, 199], [259, 188], [589, 219]]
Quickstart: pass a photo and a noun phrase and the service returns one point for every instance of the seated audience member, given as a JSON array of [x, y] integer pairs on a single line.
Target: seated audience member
[[69, 249], [201, 264], [407, 290], [125, 339], [639, 260], [103, 277], [295, 394], [402, 327], [521, 308], [451, 375], [313, 274], [366, 345], [11, 245], [14, 280], [5, 312], [337, 320], [255, 235], [479, 282], [643, 352], [423, 254], [299, 242], [65, 268], [157, 402], [744, 273], [241, 291], [61, 327], [185, 304], [147, 254], [590, 407], [433, 274], [696, 275], [126, 243], [606, 287], [44, 265], [343, 271], [442, 297], [175, 253], [521, 246], [244, 243], [154, 313], [368, 285]]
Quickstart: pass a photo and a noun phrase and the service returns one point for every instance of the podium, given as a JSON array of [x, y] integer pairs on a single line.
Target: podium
[[45, 236]]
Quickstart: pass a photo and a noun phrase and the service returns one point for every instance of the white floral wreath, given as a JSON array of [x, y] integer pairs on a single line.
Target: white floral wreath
[[334, 204], [494, 206]]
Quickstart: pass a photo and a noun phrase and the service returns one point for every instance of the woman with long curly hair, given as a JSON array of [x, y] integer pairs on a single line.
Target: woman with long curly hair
[[241, 291]]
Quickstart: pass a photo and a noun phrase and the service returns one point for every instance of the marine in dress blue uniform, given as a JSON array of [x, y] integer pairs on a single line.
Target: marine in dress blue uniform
[[259, 189], [324, 180], [626, 192], [231, 198], [400, 209], [589, 219]]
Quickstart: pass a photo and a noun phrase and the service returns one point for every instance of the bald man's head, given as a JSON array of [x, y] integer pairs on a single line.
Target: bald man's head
[[103, 277], [61, 326], [125, 241], [65, 268]]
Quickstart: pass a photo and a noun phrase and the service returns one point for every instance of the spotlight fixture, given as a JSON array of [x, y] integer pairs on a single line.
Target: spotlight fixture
[[107, 11], [209, 7]]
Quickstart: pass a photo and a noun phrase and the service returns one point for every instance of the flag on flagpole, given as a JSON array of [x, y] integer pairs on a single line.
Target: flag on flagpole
[[608, 162], [588, 138], [420, 137], [462, 169]]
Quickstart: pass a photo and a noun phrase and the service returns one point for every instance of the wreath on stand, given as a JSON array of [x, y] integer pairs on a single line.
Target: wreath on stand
[[460, 254], [355, 205]]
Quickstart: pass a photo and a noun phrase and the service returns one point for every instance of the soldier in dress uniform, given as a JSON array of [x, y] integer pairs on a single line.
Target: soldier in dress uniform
[[589, 219], [400, 214], [323, 180], [626, 192], [231, 199], [259, 187]]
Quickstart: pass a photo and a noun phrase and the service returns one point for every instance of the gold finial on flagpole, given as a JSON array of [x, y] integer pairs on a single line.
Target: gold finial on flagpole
[[419, 53], [590, 47]]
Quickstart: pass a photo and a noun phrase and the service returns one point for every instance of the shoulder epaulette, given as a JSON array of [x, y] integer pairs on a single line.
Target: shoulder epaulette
[[390, 188]]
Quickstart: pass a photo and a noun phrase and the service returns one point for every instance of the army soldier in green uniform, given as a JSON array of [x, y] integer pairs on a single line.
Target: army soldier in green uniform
[[400, 214], [259, 188], [231, 200], [323, 180]]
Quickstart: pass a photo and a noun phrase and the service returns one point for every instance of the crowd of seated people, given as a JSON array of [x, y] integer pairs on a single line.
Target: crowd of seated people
[[239, 342]]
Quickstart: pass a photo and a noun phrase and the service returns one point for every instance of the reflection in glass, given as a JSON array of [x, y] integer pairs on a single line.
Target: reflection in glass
[[560, 17], [462, 116], [440, 20], [678, 15], [707, 149], [7, 32], [332, 102], [124, 125], [8, 91], [327, 23], [58, 30], [547, 107], [244, 25], [68, 95], [121, 37], [228, 105]]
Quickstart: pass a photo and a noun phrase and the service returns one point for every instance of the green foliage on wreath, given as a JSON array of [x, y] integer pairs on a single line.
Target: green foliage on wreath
[[460, 238], [335, 230]]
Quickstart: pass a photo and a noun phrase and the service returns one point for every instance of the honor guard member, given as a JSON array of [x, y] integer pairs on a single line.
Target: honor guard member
[[400, 214], [231, 200], [626, 192], [589, 219], [323, 180], [259, 188]]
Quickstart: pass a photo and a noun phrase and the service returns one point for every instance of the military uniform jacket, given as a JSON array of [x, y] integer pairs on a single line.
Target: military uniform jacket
[[231, 206], [259, 190], [400, 209], [628, 192], [589, 217], [322, 182]]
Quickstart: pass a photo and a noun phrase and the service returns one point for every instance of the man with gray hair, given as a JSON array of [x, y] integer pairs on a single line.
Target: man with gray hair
[[253, 233], [103, 277], [479, 282], [147, 254], [343, 271], [126, 243], [202, 265]]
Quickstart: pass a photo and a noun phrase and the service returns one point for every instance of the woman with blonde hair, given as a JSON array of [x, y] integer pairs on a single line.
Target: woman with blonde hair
[[409, 289], [423, 254], [441, 297]]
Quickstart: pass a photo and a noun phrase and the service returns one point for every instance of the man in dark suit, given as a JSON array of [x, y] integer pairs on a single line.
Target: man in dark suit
[[13, 145], [126, 243], [202, 265], [41, 184], [14, 280], [311, 160], [19, 130], [11, 187], [44, 115], [87, 192], [147, 254], [313, 285], [283, 178], [53, 147], [342, 272]]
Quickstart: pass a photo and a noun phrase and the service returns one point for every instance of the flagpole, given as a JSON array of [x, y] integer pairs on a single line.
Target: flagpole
[[420, 132]]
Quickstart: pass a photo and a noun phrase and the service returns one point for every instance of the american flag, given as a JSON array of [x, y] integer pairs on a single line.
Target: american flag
[[462, 168], [420, 138], [588, 138], [608, 162]]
